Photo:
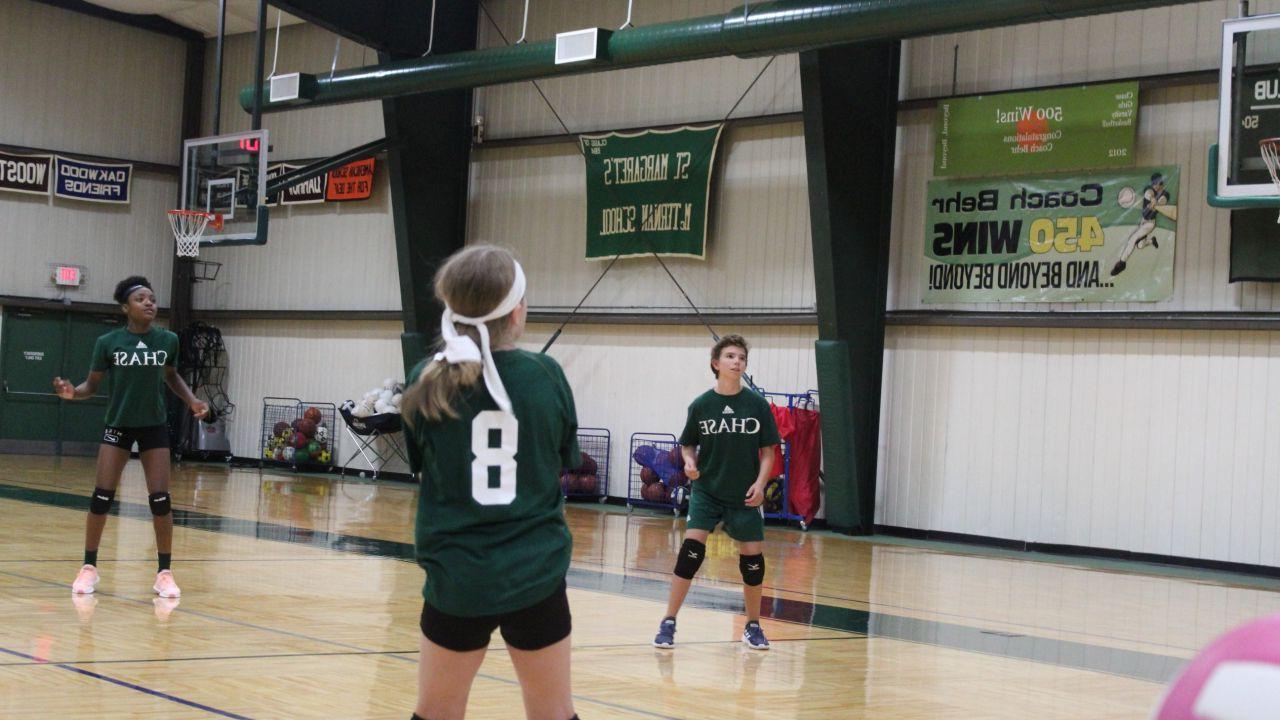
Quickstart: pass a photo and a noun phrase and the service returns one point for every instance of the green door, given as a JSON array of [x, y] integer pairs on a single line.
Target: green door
[[31, 355], [35, 347], [82, 420]]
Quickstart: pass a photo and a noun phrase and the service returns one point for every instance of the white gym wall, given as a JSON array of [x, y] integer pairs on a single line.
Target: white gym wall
[[326, 256], [531, 198], [1151, 441], [60, 91]]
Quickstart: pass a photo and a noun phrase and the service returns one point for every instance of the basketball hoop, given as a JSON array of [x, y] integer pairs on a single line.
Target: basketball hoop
[[188, 227], [1271, 156]]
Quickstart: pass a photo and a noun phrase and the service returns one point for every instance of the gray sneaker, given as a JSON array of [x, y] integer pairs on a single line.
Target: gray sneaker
[[666, 636], [753, 636]]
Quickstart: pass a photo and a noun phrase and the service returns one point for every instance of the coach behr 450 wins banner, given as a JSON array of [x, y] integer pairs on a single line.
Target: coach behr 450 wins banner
[[648, 192], [1091, 237]]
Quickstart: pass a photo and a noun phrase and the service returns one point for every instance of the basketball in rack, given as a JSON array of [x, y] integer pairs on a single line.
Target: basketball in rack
[[189, 226]]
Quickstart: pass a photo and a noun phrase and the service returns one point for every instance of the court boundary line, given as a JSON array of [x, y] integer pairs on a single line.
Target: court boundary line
[[124, 684], [1134, 664], [395, 655]]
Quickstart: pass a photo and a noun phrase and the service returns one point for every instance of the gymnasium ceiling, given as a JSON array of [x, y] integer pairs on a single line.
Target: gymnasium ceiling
[[200, 15]]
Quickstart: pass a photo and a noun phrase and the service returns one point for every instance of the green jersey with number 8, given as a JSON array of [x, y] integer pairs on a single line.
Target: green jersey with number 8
[[491, 532]]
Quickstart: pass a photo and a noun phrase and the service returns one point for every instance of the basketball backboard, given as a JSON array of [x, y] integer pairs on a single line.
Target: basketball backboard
[[225, 174], [1249, 106]]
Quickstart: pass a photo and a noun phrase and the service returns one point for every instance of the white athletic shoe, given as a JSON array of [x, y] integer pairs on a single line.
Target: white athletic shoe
[[86, 580], [165, 587]]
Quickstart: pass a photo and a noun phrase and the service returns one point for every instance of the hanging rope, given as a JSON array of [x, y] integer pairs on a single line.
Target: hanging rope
[[276, 54], [431, 34], [564, 126]]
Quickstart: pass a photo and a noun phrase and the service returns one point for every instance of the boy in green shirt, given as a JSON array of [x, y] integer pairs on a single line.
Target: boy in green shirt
[[727, 445]]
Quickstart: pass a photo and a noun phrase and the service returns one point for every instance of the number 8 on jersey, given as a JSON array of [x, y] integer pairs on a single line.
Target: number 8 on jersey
[[494, 437]]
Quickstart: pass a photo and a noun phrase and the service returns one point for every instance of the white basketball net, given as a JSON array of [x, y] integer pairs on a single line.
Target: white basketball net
[[1271, 156], [188, 227]]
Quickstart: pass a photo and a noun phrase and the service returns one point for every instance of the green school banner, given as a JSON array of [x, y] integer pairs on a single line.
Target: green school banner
[[1096, 237], [649, 191], [1034, 132]]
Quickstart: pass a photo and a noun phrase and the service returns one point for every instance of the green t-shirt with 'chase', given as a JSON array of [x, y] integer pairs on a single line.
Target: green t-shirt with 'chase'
[[135, 365], [729, 431]]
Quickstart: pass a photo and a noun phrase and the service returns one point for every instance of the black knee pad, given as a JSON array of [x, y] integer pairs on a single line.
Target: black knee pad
[[159, 503], [692, 553], [752, 567], [100, 501]]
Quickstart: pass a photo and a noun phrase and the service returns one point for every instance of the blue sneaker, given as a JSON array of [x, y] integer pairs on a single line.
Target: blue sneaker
[[753, 636], [666, 636]]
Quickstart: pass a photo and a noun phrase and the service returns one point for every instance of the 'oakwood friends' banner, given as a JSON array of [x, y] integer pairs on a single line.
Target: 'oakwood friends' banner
[[1098, 237], [25, 173], [95, 182], [649, 191]]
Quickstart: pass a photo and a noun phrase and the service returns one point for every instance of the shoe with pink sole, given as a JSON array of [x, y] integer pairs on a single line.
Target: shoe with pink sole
[[165, 587], [86, 580]]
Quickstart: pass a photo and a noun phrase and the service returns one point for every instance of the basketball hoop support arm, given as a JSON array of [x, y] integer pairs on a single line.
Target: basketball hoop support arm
[[323, 166], [1230, 203]]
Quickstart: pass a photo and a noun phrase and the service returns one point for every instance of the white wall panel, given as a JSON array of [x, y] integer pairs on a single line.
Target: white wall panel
[[758, 252], [109, 241], [295, 134], [317, 257], [1177, 38], [1141, 440], [326, 256], [80, 84], [84, 85], [638, 97], [316, 361]]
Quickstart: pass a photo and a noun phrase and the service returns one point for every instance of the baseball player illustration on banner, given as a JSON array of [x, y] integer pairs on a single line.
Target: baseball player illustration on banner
[[1155, 201]]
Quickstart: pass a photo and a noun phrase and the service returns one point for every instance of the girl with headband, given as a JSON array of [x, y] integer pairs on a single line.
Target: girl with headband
[[490, 428], [139, 360]]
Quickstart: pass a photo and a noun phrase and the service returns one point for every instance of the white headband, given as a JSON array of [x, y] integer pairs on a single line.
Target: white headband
[[461, 348], [134, 289]]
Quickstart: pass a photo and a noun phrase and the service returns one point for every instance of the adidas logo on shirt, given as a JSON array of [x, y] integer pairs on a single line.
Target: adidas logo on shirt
[[727, 410], [140, 346]]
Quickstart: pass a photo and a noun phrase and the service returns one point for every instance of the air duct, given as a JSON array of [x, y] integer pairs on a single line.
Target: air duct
[[766, 28]]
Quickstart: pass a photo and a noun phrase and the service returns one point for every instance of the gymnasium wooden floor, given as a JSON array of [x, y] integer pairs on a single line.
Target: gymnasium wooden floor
[[299, 602]]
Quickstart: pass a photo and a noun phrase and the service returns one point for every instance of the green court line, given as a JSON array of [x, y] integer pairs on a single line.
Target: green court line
[[1064, 653]]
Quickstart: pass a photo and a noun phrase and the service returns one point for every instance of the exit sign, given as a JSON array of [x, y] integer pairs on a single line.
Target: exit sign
[[67, 275]]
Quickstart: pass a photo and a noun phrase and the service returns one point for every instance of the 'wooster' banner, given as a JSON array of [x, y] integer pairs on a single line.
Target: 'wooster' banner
[[649, 192], [95, 182], [1090, 237], [25, 173]]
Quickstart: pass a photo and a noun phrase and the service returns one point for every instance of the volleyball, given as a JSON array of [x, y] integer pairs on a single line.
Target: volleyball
[[1235, 676]]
